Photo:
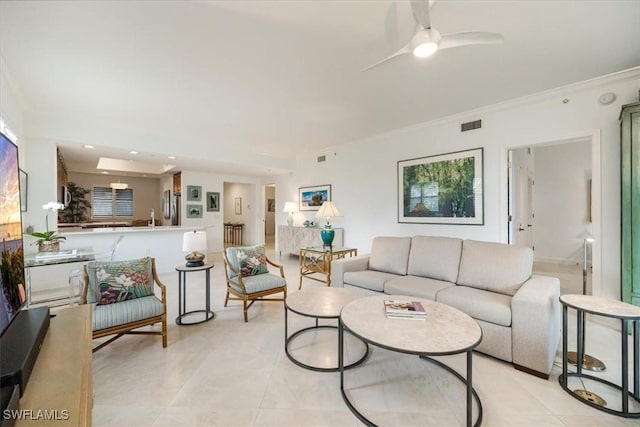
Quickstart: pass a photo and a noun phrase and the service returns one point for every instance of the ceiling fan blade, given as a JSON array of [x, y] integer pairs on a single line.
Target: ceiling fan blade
[[405, 49], [421, 12], [469, 38]]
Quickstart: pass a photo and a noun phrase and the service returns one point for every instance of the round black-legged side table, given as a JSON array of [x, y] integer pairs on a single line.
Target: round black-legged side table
[[629, 317], [182, 294]]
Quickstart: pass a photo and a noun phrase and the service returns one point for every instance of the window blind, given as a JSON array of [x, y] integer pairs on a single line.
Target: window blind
[[109, 202]]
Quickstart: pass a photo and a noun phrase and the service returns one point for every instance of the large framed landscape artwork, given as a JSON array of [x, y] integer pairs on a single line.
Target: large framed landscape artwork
[[442, 189]]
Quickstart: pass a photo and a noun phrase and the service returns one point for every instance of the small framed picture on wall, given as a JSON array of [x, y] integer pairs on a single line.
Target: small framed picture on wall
[[213, 202], [238, 204]]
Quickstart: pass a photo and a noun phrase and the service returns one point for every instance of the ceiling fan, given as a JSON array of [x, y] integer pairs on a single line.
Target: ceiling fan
[[427, 40]]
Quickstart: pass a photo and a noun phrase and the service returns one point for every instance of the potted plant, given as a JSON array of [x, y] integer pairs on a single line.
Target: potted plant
[[48, 241], [77, 209]]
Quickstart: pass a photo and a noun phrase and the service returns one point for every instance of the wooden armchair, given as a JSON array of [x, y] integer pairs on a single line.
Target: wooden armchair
[[248, 277], [122, 298]]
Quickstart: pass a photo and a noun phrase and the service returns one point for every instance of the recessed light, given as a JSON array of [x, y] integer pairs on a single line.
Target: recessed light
[[91, 147], [133, 152], [172, 157], [105, 172]]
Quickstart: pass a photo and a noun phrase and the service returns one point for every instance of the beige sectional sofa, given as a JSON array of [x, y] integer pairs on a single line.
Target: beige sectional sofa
[[519, 313]]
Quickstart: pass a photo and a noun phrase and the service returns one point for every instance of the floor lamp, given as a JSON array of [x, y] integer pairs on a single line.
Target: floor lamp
[[589, 363]]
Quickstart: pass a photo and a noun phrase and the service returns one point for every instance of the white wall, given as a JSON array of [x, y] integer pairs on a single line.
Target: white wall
[[249, 209], [561, 200], [363, 174]]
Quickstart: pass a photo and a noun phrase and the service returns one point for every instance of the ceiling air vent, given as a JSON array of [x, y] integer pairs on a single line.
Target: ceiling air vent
[[477, 124], [322, 158]]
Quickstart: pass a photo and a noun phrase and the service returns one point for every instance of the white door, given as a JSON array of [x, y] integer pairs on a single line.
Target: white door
[[521, 186]]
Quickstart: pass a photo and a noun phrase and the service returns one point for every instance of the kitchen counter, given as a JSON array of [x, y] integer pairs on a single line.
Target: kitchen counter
[[125, 230]]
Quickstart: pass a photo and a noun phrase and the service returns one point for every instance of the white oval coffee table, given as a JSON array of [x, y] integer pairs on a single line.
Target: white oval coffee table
[[445, 331], [319, 303]]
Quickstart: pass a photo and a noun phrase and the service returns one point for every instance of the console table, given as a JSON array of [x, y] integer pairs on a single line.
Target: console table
[[62, 378], [292, 239]]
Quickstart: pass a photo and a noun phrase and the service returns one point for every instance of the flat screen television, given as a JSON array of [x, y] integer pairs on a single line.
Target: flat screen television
[[13, 295], [22, 331]]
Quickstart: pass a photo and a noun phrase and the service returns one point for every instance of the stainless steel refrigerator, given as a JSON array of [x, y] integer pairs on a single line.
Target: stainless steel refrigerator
[[175, 209]]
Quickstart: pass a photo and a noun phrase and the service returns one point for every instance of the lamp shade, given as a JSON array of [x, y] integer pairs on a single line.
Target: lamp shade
[[328, 210], [194, 241], [290, 207]]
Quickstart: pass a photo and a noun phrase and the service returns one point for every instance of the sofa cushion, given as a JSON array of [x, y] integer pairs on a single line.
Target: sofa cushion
[[482, 305], [415, 286], [435, 257], [368, 279], [390, 254], [496, 267]]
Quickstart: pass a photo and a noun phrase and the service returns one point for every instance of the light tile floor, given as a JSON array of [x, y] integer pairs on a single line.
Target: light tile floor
[[229, 373]]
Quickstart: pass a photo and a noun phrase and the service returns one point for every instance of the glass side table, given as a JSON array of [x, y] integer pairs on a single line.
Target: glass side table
[[315, 262]]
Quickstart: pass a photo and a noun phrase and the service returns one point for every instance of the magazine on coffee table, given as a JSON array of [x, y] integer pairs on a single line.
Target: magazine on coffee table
[[404, 309]]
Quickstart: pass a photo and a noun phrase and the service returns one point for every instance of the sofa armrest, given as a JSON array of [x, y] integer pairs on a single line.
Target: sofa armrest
[[535, 311], [341, 266]]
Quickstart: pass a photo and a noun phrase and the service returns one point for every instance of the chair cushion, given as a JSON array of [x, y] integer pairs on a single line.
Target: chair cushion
[[248, 260], [481, 305], [116, 281], [106, 316], [496, 267], [259, 283], [390, 254], [415, 286], [435, 257]]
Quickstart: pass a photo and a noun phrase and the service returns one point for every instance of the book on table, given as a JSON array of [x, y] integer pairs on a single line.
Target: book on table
[[404, 309]]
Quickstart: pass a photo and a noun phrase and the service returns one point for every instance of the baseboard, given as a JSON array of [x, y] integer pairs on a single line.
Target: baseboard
[[531, 372]]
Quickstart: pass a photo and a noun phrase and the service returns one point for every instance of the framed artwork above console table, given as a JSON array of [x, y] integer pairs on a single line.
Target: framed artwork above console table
[[291, 239]]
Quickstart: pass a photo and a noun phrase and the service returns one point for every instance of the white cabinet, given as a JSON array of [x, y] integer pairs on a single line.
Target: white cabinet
[[291, 239]]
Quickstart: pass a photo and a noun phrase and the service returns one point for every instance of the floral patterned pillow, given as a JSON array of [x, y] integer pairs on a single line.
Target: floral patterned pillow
[[249, 260], [112, 282]]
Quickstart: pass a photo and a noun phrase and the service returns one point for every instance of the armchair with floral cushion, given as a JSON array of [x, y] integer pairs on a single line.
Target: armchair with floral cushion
[[123, 298], [248, 277]]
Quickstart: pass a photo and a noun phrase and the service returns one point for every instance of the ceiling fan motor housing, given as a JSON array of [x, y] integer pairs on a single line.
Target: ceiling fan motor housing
[[425, 42]]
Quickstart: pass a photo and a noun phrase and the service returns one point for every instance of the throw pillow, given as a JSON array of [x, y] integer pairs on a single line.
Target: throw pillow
[[249, 260], [112, 282]]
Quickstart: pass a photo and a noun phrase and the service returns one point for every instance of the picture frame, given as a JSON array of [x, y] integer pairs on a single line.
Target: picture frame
[[442, 189], [311, 198], [271, 205], [194, 193], [24, 189], [194, 211], [213, 201], [166, 204], [238, 205]]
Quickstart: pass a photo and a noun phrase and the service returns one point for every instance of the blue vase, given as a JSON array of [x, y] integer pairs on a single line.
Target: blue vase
[[327, 234]]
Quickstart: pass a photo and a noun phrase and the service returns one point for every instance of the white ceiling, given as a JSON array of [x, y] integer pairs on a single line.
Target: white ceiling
[[270, 78]]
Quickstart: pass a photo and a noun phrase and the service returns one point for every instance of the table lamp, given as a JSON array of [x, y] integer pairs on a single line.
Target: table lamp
[[290, 207], [194, 242], [327, 210]]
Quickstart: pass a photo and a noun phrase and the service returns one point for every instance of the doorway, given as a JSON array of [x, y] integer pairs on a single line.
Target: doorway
[[269, 215], [553, 197]]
